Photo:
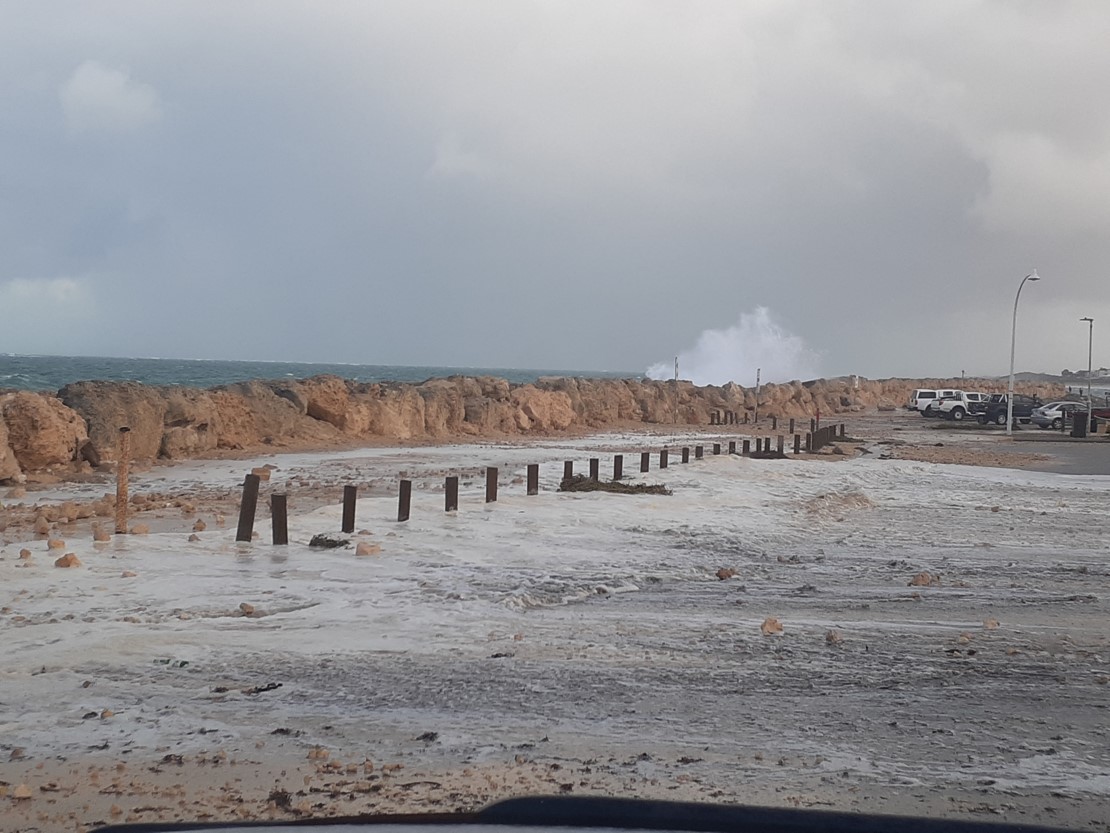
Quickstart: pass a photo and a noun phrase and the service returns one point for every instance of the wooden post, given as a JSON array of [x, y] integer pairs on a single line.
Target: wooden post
[[663, 459], [350, 495], [774, 423], [809, 441], [716, 448], [645, 461], [746, 449], [842, 434], [534, 478], [699, 452], [279, 520], [568, 470], [122, 469], [451, 494], [686, 454], [797, 443], [246, 508], [732, 446], [618, 466], [781, 441], [404, 499], [595, 469], [791, 425], [491, 484], [812, 425]]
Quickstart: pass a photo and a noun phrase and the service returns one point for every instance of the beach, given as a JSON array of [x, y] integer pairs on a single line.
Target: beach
[[891, 625]]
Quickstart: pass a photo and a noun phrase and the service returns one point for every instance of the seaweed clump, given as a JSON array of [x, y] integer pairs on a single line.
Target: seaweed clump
[[581, 483]]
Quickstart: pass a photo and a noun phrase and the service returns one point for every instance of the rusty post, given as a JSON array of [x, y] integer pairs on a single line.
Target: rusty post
[[595, 469], [791, 425], [686, 454], [350, 496], [732, 446], [491, 484], [618, 466], [247, 507], [279, 520], [716, 448], [781, 443], [809, 441], [533, 478], [645, 460], [812, 425], [699, 452], [451, 494], [746, 449], [122, 469], [663, 459], [568, 470], [797, 443], [774, 423], [404, 499]]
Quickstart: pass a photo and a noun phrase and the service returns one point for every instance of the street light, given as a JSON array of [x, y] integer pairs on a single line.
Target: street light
[[1032, 276], [1090, 342]]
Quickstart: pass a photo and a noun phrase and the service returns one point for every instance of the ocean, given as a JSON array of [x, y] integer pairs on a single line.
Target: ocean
[[53, 372]]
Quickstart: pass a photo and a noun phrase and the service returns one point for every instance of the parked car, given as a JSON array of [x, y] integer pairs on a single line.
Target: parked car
[[1055, 414], [929, 407], [959, 405], [919, 398], [996, 409]]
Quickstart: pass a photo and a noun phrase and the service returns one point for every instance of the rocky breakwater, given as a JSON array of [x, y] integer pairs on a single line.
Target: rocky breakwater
[[79, 427]]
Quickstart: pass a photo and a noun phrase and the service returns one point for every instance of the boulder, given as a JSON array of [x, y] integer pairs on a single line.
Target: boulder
[[9, 466], [42, 432], [108, 406], [327, 399], [191, 423]]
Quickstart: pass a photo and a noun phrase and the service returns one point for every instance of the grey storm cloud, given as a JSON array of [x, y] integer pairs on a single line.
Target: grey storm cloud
[[532, 184]]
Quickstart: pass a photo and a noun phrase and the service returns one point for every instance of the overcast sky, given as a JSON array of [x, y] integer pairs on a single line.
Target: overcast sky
[[556, 184]]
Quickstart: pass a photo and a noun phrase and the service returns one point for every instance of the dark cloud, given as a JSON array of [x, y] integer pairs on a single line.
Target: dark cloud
[[548, 185]]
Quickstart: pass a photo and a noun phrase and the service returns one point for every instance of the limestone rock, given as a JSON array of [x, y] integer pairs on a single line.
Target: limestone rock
[[128, 574], [9, 465], [24, 553], [42, 526], [55, 544], [725, 573], [21, 792], [194, 538], [101, 536], [108, 406], [771, 627], [68, 560], [924, 579], [366, 548], [199, 526], [42, 431], [140, 529]]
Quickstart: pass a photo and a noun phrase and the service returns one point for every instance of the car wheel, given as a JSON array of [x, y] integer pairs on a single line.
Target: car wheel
[[1000, 419], [927, 413], [982, 420], [958, 414], [1057, 424]]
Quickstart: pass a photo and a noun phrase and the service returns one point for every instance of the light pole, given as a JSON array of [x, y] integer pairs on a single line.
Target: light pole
[[1032, 276], [1090, 342]]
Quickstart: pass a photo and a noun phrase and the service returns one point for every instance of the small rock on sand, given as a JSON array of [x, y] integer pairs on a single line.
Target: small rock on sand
[[366, 548], [55, 544], [68, 560], [140, 529], [771, 626], [725, 573], [199, 526]]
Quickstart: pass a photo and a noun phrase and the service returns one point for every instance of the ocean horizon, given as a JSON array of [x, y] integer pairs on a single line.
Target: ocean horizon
[[49, 373]]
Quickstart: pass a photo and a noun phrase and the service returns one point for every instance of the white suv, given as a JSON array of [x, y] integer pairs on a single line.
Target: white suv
[[959, 405], [925, 401]]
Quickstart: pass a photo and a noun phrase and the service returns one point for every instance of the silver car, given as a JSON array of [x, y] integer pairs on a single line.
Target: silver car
[[1054, 414]]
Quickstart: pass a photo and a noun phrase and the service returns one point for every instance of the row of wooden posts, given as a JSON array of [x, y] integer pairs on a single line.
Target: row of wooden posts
[[732, 418], [279, 513]]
